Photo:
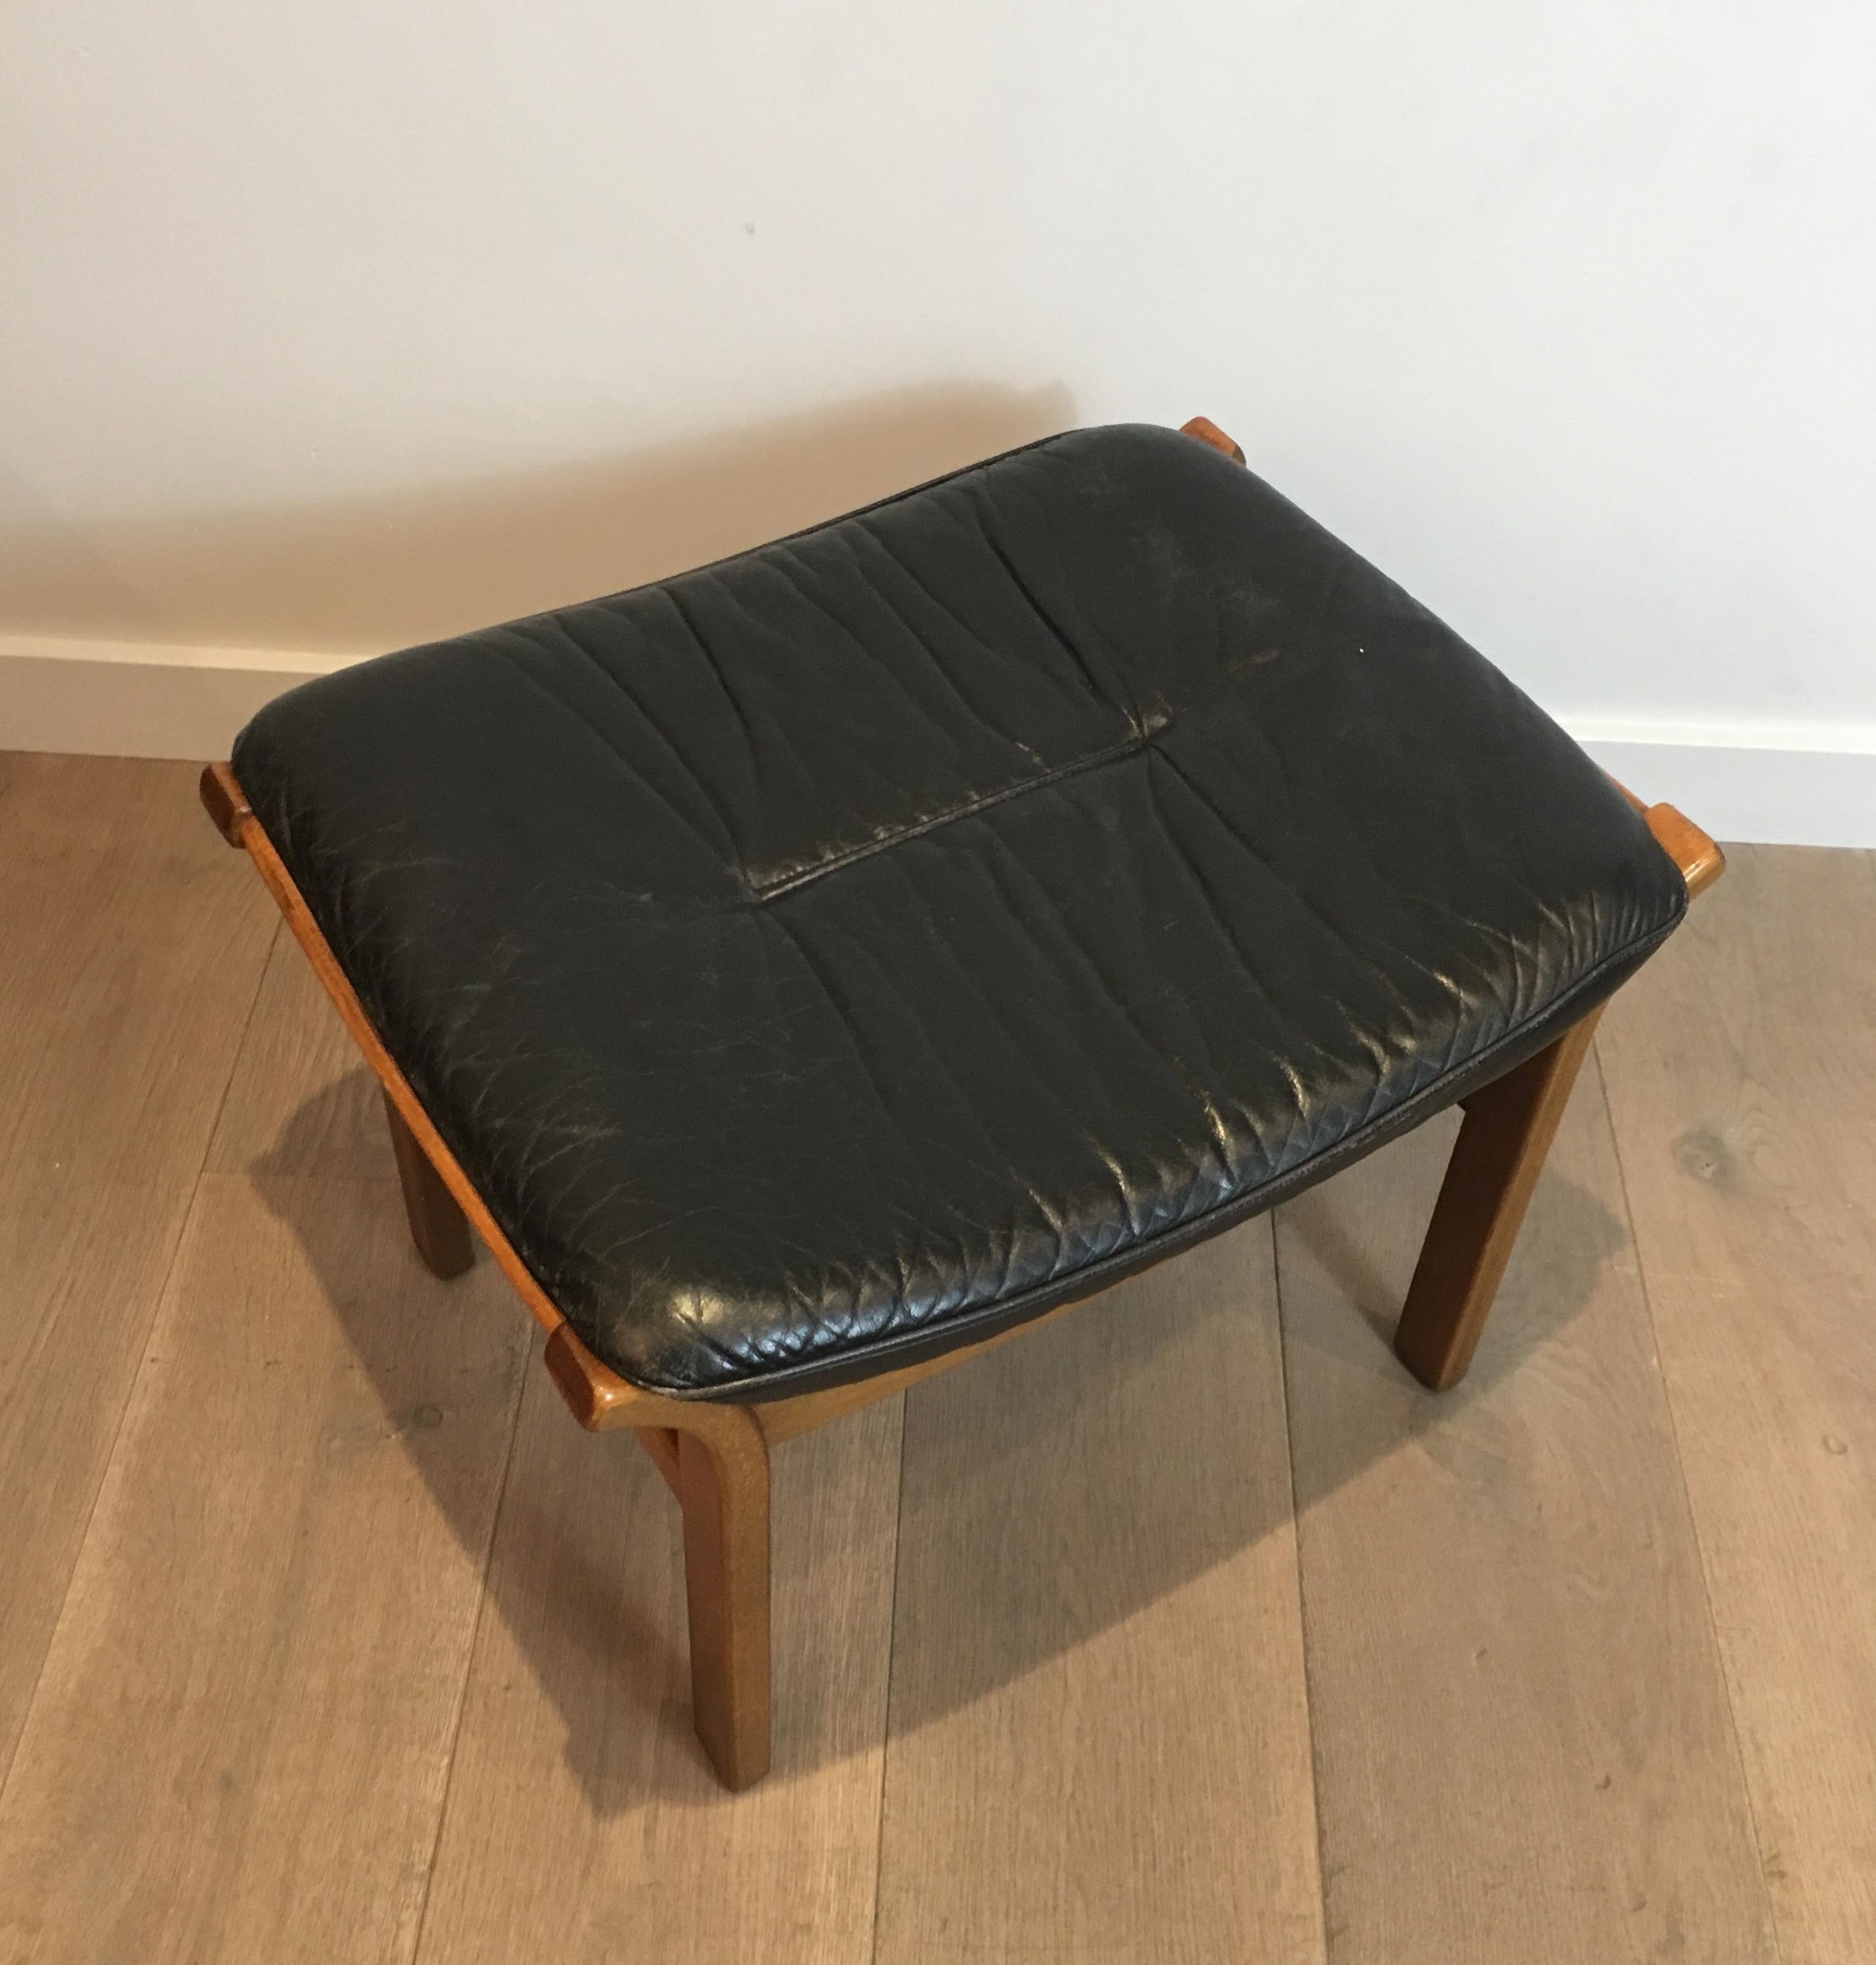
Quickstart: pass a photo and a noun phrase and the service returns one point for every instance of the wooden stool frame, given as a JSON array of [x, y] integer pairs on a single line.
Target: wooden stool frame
[[714, 1454]]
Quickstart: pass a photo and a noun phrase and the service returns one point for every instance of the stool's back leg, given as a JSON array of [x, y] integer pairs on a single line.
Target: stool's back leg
[[437, 1226], [723, 1482], [1496, 1160]]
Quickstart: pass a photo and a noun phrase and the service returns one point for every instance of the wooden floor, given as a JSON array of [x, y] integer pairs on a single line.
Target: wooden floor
[[1186, 1629]]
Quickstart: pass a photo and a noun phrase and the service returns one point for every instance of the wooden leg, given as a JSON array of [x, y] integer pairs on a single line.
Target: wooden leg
[[437, 1226], [1499, 1153], [723, 1482]]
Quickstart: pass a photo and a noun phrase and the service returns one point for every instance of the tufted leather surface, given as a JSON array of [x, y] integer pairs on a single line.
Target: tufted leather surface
[[843, 951]]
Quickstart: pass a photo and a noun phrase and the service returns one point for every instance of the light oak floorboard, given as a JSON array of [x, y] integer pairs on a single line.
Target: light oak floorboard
[[1741, 1077], [1523, 1750], [131, 945], [583, 1820], [1099, 1746], [305, 1105], [239, 1746]]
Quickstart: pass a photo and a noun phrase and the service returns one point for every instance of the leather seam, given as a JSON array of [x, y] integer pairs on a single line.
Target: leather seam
[[765, 891]]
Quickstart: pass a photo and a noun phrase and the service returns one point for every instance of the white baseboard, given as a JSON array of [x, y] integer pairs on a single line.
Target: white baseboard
[[1779, 784], [139, 699], [1791, 784]]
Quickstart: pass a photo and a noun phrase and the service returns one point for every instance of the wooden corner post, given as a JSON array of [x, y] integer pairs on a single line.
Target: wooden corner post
[[1489, 1180], [723, 1486], [1497, 1158]]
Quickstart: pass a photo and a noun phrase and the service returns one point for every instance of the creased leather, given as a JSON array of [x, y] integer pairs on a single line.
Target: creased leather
[[839, 952]]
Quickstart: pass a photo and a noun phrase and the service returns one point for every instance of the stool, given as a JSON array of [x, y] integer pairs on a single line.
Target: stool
[[807, 972]]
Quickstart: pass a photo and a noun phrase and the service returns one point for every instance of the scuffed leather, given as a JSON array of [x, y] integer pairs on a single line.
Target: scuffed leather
[[843, 951]]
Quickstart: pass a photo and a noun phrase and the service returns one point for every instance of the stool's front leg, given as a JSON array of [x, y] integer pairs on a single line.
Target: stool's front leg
[[1489, 1180], [723, 1484]]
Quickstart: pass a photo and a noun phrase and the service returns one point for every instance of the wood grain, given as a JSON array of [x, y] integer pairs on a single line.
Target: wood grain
[[308, 1105], [239, 1742], [1524, 1749], [583, 1814], [1493, 1171], [1099, 1744], [1741, 1071], [239, 1746], [131, 945], [725, 1499]]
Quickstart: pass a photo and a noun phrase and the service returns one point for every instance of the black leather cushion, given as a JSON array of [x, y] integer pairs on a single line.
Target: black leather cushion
[[847, 949]]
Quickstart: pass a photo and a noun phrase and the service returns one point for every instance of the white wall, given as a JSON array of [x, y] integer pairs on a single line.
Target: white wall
[[321, 328]]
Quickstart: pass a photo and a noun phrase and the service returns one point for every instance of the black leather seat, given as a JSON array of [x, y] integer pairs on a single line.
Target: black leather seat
[[841, 952]]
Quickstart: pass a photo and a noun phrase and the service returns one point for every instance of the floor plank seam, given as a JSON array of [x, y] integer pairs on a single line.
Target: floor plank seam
[[1693, 1517], [468, 1664], [885, 1730], [161, 1294], [1302, 1593]]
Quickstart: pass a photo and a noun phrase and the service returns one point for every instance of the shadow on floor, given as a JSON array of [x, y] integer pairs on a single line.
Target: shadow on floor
[[329, 1175], [1098, 1475], [1076, 1493]]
